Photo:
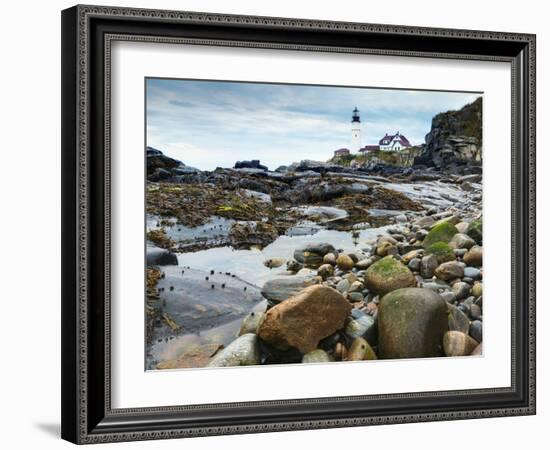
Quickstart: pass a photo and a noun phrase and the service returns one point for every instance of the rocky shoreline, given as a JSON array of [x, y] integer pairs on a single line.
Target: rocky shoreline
[[413, 289]]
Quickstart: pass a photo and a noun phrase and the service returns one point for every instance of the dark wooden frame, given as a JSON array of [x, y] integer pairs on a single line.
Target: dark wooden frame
[[87, 32]]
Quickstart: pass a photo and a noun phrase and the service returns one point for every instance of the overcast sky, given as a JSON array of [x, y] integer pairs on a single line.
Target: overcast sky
[[207, 124]]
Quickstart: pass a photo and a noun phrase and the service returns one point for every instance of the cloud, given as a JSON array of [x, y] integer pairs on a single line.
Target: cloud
[[208, 124]]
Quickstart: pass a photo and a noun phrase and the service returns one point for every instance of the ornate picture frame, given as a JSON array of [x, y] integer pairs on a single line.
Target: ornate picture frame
[[87, 35]]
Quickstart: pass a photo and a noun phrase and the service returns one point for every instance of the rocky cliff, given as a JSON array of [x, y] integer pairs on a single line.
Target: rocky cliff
[[455, 138]]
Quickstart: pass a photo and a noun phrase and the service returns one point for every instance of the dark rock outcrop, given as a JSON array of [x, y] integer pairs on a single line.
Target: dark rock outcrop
[[253, 164], [455, 138]]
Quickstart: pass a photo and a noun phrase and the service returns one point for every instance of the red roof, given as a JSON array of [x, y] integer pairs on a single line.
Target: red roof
[[341, 151], [388, 137], [369, 148]]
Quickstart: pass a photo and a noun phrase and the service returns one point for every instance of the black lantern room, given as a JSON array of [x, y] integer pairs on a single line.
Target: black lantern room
[[355, 116]]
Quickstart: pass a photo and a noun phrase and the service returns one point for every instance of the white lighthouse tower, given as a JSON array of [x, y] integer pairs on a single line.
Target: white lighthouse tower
[[355, 131]]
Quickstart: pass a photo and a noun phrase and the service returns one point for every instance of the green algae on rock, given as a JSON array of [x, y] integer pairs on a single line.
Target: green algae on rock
[[411, 324], [387, 275], [442, 232], [442, 251]]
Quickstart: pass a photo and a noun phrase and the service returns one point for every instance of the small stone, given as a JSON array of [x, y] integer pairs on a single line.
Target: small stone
[[477, 289], [474, 256], [448, 296], [472, 272], [355, 297], [461, 290], [414, 264], [461, 240], [311, 255], [356, 286], [384, 247], [441, 232], [293, 266], [428, 264], [344, 262], [243, 351], [449, 271], [273, 263], [317, 356], [325, 271], [343, 286], [360, 350], [475, 231], [459, 252], [387, 275], [413, 254], [251, 323], [340, 351], [475, 312], [476, 330], [425, 222], [330, 258], [458, 321], [364, 264], [363, 326], [456, 343], [462, 227], [478, 351]]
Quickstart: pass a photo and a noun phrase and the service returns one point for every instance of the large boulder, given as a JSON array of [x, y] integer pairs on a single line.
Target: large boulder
[[387, 275], [243, 351], [442, 232], [303, 320], [411, 324]]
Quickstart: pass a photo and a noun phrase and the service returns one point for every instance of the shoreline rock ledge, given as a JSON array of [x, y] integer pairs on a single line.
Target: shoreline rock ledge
[[301, 321]]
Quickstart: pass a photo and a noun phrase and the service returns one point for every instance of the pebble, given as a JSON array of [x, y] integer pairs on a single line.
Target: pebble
[[414, 264], [461, 290], [472, 272], [477, 290], [343, 286], [476, 330], [475, 312], [428, 264]]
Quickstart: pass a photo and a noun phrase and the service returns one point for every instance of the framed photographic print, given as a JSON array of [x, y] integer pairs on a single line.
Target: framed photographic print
[[283, 224]]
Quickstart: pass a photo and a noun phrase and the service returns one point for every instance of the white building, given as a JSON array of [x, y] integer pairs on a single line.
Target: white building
[[393, 143], [355, 131]]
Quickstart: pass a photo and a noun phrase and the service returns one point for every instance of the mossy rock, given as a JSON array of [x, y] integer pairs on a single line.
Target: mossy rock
[[475, 231], [387, 275], [442, 251], [411, 324], [442, 232]]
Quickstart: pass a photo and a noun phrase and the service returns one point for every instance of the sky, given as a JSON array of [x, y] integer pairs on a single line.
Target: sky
[[209, 124]]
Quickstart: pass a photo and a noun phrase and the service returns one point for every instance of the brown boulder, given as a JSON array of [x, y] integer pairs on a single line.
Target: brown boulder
[[303, 320]]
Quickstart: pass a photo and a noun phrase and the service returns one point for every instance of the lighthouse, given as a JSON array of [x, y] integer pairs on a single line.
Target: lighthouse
[[355, 131]]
